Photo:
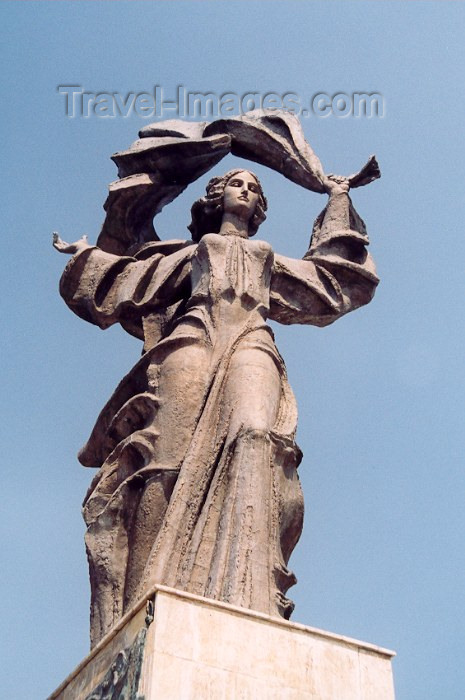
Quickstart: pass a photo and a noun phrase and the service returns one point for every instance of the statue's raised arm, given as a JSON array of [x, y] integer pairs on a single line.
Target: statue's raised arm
[[337, 274]]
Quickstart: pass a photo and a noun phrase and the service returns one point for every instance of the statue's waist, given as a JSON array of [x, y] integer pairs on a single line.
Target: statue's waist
[[220, 323], [225, 298]]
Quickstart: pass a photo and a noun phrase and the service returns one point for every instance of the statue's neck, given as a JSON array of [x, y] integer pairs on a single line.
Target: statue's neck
[[232, 225]]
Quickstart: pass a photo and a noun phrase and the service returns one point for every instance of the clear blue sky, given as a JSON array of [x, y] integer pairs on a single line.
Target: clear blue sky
[[381, 393]]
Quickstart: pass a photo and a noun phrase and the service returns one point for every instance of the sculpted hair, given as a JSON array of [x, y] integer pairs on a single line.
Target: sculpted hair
[[207, 212]]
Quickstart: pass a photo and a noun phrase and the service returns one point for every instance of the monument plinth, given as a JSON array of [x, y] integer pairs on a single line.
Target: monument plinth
[[179, 646]]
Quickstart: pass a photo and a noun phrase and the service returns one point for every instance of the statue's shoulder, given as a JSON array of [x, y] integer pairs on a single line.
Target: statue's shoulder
[[170, 247]]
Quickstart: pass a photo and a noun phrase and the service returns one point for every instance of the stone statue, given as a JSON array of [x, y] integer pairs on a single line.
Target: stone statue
[[197, 485]]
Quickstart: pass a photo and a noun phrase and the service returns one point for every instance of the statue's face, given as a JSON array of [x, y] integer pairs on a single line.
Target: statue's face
[[241, 195]]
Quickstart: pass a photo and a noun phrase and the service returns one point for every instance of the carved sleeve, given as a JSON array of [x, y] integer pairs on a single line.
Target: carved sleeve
[[336, 275], [105, 289]]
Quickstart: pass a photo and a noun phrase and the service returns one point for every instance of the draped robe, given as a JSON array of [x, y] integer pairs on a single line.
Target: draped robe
[[197, 485]]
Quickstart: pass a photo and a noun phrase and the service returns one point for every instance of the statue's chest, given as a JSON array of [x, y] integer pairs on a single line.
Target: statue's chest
[[232, 265]]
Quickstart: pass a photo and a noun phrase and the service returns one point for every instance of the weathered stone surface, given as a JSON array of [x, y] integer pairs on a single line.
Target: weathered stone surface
[[276, 140], [170, 155], [197, 485], [154, 171], [179, 159], [197, 648], [112, 671], [174, 127]]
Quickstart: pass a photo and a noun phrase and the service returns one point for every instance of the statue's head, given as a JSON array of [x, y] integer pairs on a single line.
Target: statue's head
[[238, 192]]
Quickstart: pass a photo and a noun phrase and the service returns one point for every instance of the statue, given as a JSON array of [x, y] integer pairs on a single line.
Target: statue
[[197, 485]]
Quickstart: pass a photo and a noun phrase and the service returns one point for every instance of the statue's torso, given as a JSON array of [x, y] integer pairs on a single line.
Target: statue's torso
[[230, 278]]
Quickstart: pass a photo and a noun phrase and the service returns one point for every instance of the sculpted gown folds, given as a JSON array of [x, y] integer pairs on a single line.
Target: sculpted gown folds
[[197, 484]]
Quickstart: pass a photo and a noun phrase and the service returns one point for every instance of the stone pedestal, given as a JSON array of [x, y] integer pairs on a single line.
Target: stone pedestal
[[178, 646]]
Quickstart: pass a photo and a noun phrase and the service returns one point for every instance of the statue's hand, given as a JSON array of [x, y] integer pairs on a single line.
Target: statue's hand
[[70, 248], [336, 184]]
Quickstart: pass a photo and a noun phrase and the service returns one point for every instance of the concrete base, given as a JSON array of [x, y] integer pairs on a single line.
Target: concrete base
[[183, 647]]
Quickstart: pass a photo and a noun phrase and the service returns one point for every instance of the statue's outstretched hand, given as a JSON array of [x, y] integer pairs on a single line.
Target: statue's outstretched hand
[[336, 184], [70, 248]]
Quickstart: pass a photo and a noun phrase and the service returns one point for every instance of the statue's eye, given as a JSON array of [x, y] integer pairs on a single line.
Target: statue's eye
[[235, 183], [253, 188]]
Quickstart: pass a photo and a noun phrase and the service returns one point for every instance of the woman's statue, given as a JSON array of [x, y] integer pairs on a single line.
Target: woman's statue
[[197, 485]]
